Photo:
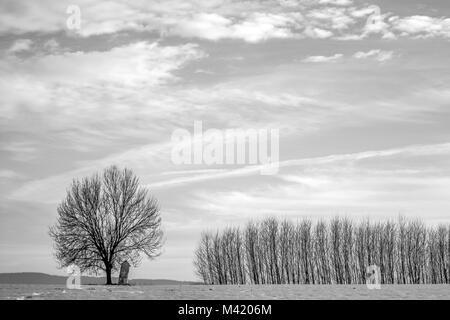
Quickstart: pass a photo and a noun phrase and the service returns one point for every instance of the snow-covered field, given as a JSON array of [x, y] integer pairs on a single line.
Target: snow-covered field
[[36, 292]]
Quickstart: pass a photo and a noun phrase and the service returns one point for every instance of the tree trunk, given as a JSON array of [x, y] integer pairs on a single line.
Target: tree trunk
[[108, 275]]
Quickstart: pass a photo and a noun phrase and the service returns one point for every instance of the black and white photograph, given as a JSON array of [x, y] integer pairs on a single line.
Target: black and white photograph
[[238, 150]]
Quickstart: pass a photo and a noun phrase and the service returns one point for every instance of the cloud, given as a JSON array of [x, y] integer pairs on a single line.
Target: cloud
[[19, 151], [9, 174], [376, 24], [318, 59], [39, 82], [140, 158], [422, 26], [151, 65], [254, 28], [209, 26], [252, 22], [376, 54], [263, 26], [385, 183], [317, 33], [363, 12], [357, 193], [89, 100], [401, 153], [337, 2], [336, 19], [21, 45], [52, 45]]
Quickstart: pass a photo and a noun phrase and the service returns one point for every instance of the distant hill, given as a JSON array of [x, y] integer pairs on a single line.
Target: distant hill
[[43, 278]]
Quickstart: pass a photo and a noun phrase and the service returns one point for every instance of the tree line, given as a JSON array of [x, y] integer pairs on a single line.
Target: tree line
[[338, 251]]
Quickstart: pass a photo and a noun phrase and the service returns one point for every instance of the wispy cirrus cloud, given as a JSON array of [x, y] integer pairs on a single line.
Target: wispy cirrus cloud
[[138, 159], [19, 151], [68, 87], [151, 65], [350, 184], [375, 54]]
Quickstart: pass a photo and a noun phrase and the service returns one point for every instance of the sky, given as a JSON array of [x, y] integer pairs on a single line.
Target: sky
[[358, 90]]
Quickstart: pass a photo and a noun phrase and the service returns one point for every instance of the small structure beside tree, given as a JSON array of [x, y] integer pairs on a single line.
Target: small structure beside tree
[[123, 275]]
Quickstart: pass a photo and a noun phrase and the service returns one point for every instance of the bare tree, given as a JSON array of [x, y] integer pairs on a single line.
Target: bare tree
[[321, 253], [269, 239], [202, 260], [338, 251], [287, 256], [443, 253], [105, 220], [251, 250], [335, 246], [360, 252], [401, 252], [389, 238], [305, 252]]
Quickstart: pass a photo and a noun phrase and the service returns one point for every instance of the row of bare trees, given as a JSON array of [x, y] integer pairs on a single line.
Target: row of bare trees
[[334, 252]]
